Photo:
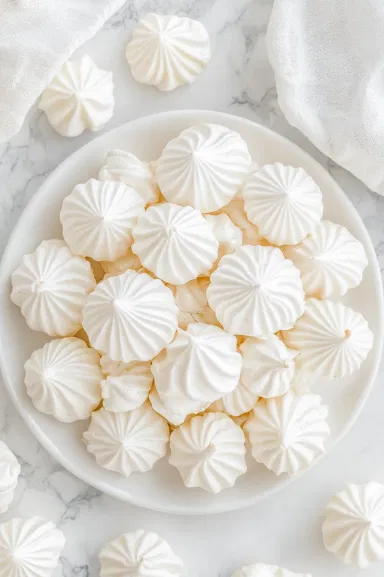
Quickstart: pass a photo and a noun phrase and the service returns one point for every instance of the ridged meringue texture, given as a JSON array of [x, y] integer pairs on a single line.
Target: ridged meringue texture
[[139, 554], [29, 548], [201, 364], [129, 441], [79, 97], [284, 202], [203, 167], [127, 391], [354, 524], [263, 570], [9, 474], [130, 317], [174, 242], [256, 291], [178, 410], [268, 366], [236, 403], [168, 51], [288, 433], [125, 167], [63, 379], [98, 217], [51, 286], [332, 339], [330, 260]]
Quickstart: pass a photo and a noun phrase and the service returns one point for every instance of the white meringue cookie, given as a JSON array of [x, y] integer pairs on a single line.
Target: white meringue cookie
[[263, 570], [209, 452], [125, 167], [139, 554], [256, 291], [268, 366], [29, 548], [130, 317], [201, 364], [79, 97], [168, 51], [114, 368], [174, 242], [332, 339], [236, 212], [237, 403], [203, 167], [228, 235], [63, 379], [176, 411], [354, 524], [51, 286], [127, 391], [284, 202], [98, 218], [287, 433], [330, 259], [9, 474], [129, 441], [207, 317], [128, 261]]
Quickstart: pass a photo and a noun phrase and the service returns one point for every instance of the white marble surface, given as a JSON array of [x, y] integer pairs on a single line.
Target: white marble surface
[[284, 529]]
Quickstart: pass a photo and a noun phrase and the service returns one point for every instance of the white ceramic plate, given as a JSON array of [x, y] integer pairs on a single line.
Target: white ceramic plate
[[162, 489]]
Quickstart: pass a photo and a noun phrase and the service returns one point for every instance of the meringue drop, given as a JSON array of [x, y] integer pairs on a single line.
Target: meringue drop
[[236, 403], [284, 202], [191, 297], [332, 339], [139, 554], [203, 167], [51, 286], [227, 234], [168, 51], [79, 97], [176, 411], [263, 570], [9, 474], [127, 391], [98, 218], [114, 368], [128, 261], [236, 212]]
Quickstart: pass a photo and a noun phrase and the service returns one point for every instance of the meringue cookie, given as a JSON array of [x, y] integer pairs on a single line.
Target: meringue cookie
[[268, 366], [139, 554], [79, 97], [128, 441], [236, 403], [256, 291], [29, 548], [174, 242], [114, 368], [227, 234], [209, 452], [51, 286], [177, 411], [207, 317], [287, 433], [125, 167], [354, 524], [332, 339], [168, 51], [128, 261], [201, 364], [330, 259], [263, 570], [192, 296], [127, 391], [98, 218], [130, 317], [203, 167], [236, 212], [284, 202], [9, 474], [63, 379]]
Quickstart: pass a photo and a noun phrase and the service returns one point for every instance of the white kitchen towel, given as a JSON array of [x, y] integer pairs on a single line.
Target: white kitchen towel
[[328, 58], [36, 38]]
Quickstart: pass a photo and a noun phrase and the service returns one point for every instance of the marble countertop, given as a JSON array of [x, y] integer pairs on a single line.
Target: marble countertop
[[285, 529]]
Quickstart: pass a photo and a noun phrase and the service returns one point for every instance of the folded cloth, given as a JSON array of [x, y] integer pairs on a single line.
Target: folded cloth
[[36, 38], [328, 58]]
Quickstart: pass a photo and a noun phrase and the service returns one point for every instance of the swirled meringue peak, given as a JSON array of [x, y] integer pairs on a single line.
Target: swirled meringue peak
[[29, 548], [98, 218], [203, 167], [168, 51], [51, 286], [174, 242], [330, 259], [263, 570], [79, 97], [130, 317], [9, 474], [125, 167], [139, 554], [256, 291], [284, 202], [129, 390], [128, 441], [332, 339], [63, 379], [287, 433], [240, 401], [209, 452], [354, 524], [177, 409], [201, 364]]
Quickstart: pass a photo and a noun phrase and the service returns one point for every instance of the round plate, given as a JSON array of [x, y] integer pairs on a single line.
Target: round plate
[[162, 489]]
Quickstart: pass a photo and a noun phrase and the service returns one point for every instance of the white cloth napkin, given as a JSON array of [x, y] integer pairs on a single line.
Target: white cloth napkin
[[328, 58], [36, 38]]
